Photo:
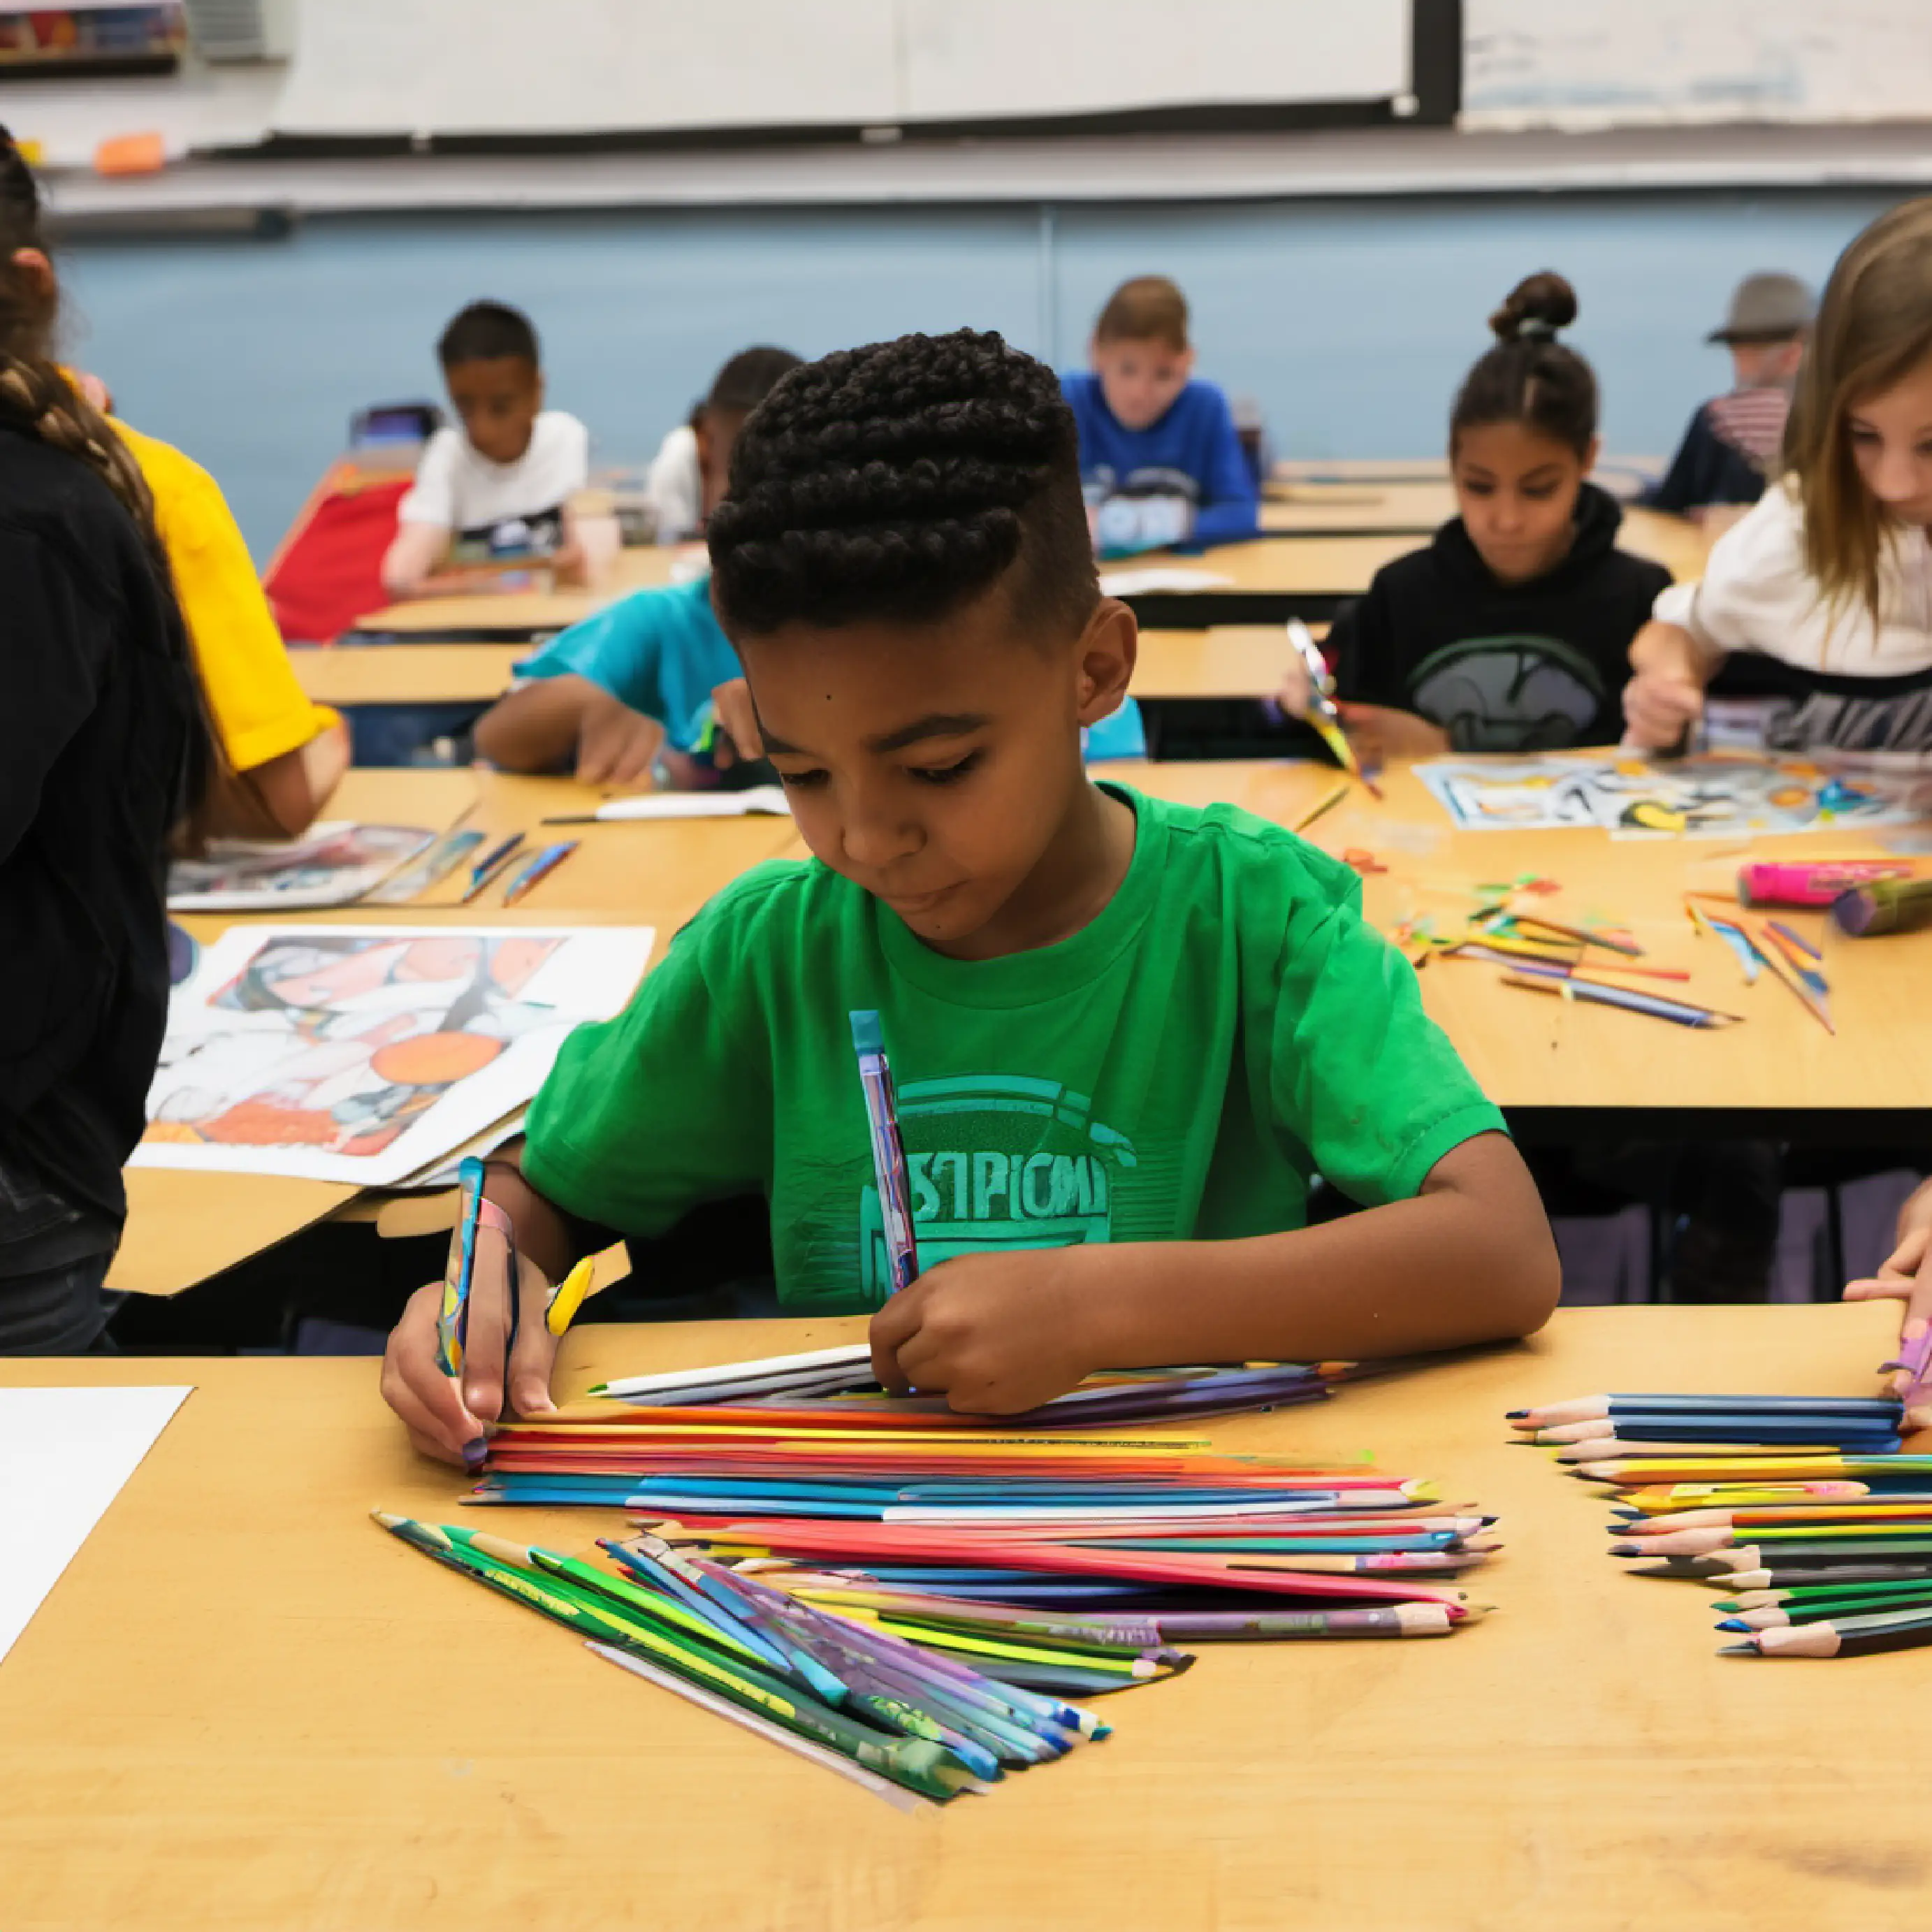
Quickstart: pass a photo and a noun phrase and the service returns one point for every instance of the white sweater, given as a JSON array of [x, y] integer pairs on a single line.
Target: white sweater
[[1849, 683]]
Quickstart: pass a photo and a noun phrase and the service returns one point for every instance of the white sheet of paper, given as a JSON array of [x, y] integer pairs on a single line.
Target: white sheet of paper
[[768, 798], [1145, 583], [64, 1453], [364, 1054]]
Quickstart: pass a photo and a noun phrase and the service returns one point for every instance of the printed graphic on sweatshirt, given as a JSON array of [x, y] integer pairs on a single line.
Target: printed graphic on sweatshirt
[[1520, 692], [997, 1161]]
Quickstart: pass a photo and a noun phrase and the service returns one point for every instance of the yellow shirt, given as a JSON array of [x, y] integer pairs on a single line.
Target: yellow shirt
[[259, 708]]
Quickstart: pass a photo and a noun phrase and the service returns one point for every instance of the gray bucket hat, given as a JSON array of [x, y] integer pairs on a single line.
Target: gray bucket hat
[[1767, 308]]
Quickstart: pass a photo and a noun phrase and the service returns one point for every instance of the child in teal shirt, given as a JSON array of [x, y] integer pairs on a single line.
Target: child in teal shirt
[[1127, 1033]]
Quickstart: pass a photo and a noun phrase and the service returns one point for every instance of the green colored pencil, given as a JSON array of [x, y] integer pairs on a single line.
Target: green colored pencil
[[929, 1769]]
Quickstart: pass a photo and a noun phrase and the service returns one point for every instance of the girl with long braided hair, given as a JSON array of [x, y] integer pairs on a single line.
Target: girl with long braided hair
[[104, 750]]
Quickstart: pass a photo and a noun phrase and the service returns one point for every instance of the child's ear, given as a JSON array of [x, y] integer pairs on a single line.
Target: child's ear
[[1590, 455], [1104, 659], [1092, 352], [1187, 364]]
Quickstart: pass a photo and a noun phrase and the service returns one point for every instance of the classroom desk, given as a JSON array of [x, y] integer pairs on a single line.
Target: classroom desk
[[1310, 575], [1227, 661], [515, 615], [1577, 1068], [1417, 507], [183, 1228], [245, 1706], [405, 673], [1293, 473]]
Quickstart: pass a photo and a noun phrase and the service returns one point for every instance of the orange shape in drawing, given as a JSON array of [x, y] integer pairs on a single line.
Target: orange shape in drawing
[[434, 1059]]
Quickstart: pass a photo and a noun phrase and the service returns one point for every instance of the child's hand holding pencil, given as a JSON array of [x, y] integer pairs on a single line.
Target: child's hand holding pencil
[[468, 1349]]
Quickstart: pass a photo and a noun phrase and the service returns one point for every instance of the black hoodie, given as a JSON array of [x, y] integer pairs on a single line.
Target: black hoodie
[[1502, 667]]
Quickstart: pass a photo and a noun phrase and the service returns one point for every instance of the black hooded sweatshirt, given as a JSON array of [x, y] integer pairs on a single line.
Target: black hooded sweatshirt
[[1502, 667]]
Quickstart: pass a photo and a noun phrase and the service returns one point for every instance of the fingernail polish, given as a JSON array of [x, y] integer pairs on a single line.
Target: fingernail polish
[[474, 1451]]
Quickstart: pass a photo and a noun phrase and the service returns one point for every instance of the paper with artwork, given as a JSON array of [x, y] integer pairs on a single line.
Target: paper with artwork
[[362, 1054], [1716, 794]]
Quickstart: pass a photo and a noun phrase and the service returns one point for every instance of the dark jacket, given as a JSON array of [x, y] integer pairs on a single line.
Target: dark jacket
[[97, 715], [1707, 469], [1502, 667]]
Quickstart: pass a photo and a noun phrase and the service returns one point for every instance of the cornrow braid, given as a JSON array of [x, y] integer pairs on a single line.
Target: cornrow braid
[[897, 481]]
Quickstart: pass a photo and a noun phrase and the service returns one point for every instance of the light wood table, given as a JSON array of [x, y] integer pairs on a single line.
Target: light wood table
[[1532, 1051], [245, 1706], [184, 1227], [407, 674], [1295, 473], [1419, 506], [521, 614], [1227, 661]]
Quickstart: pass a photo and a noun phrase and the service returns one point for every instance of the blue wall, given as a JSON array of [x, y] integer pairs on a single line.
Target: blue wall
[[1350, 321]]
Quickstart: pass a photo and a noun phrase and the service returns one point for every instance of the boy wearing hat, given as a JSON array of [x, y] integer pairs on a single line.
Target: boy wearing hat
[[1733, 441]]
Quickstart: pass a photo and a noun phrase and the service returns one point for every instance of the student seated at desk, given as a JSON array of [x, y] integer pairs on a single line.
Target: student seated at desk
[[1160, 460], [1733, 441], [502, 484], [607, 696], [637, 689], [102, 748], [1826, 584], [1126, 1033], [1511, 630]]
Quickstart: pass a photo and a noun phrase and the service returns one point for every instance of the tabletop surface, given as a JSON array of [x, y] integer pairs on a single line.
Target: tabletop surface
[[245, 1706], [638, 568], [184, 1227], [1530, 1050]]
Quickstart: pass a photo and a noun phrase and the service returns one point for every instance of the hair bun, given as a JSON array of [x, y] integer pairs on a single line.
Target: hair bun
[[1538, 306]]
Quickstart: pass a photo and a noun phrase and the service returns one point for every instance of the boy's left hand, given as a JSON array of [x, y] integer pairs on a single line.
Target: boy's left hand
[[994, 1334]]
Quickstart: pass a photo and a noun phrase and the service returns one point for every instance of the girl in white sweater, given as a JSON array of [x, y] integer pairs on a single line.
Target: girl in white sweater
[[1829, 579]]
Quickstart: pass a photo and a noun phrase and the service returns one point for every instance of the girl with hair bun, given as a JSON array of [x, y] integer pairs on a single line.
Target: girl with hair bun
[[1510, 632]]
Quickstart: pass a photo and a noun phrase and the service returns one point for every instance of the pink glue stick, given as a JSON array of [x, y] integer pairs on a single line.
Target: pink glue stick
[[1804, 883]]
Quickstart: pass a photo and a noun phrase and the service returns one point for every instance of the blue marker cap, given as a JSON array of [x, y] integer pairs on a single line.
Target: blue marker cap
[[868, 1035]]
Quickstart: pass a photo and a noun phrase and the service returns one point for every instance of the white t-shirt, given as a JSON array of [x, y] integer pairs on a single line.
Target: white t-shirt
[[459, 490], [1849, 683], [675, 487]]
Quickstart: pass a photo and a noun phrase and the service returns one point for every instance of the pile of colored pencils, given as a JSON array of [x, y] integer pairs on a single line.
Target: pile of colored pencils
[[836, 1380], [850, 1694], [1770, 945], [1801, 1508], [1575, 962], [1153, 1526]]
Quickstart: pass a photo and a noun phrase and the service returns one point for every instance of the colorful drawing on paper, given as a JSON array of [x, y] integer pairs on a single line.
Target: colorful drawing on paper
[[334, 865], [1718, 795], [363, 1054]]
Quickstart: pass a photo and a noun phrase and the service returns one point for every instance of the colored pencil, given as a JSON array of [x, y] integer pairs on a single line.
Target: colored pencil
[[1681, 1011], [487, 868], [1326, 805], [1854, 1637], [538, 869]]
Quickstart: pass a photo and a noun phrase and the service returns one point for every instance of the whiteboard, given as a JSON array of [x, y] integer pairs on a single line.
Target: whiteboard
[[538, 67], [1528, 64], [966, 59]]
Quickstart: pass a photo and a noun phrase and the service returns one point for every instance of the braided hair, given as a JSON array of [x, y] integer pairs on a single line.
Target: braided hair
[[34, 395], [899, 481], [1528, 377]]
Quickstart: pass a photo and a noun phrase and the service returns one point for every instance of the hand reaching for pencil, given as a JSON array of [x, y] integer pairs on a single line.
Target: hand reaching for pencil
[[995, 1334], [1906, 1275]]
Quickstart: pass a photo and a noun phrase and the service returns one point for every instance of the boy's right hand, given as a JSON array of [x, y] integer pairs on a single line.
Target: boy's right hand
[[1298, 689], [615, 745], [1906, 1275], [445, 1415]]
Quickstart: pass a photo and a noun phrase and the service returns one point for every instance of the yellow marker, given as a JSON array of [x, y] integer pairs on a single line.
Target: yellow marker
[[569, 1297]]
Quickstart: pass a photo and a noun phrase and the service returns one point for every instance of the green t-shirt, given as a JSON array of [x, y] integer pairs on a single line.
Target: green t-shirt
[[1226, 1027]]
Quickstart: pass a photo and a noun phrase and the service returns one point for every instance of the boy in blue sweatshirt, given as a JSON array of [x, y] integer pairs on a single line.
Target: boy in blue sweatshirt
[[1160, 461]]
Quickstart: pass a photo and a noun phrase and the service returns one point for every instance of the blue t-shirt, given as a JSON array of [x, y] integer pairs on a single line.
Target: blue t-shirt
[[663, 652], [1192, 453]]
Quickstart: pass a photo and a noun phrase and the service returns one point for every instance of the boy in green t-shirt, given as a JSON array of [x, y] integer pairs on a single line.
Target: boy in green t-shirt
[[1126, 1033]]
